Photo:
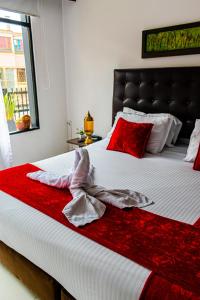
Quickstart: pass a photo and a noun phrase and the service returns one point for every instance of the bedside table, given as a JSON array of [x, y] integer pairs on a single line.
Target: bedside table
[[76, 142]]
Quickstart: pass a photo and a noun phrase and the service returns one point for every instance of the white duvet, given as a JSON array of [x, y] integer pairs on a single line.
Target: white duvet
[[86, 269]]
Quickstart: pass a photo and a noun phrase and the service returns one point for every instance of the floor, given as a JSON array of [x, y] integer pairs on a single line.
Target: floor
[[12, 289]]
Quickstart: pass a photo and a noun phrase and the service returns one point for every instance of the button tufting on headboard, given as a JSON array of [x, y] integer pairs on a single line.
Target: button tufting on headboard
[[155, 90]]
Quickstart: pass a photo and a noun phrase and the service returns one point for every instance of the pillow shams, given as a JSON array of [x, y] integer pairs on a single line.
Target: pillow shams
[[194, 143], [159, 131], [174, 130], [129, 110]]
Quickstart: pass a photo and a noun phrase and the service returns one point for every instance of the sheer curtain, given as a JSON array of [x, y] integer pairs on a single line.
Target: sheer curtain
[[5, 145]]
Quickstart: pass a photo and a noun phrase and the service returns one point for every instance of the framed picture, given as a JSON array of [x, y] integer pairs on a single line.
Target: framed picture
[[174, 40]]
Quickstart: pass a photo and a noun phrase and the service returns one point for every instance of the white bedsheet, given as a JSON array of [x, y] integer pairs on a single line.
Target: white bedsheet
[[86, 269]]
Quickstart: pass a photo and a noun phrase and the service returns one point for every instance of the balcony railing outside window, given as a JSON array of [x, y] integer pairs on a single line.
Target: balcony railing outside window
[[17, 72], [22, 106]]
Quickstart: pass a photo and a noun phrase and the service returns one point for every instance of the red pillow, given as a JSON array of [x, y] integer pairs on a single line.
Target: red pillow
[[196, 165], [130, 137]]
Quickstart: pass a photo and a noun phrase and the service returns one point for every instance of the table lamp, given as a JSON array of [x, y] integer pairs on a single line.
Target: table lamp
[[88, 128]]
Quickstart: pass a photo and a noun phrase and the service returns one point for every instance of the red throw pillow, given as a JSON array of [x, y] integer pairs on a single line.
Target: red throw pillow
[[130, 137], [196, 165]]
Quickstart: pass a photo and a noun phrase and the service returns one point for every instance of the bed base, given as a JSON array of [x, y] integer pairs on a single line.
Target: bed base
[[156, 90], [38, 281]]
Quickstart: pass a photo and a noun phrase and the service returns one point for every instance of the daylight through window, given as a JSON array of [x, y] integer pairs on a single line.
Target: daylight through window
[[17, 72]]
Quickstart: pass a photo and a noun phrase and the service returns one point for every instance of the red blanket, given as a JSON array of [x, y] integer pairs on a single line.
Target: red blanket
[[169, 248], [157, 288]]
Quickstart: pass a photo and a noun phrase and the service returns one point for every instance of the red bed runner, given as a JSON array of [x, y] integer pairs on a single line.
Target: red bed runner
[[169, 248], [156, 287]]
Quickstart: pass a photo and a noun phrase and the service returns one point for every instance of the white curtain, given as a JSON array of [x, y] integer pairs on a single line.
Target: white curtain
[[29, 7], [5, 145]]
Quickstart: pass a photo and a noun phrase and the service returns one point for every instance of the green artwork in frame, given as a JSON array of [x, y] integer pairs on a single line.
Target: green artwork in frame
[[174, 40]]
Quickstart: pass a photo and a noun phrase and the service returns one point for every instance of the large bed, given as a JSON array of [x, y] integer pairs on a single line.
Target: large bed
[[77, 264]]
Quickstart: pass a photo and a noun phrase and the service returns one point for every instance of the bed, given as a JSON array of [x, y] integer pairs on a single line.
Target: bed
[[54, 258]]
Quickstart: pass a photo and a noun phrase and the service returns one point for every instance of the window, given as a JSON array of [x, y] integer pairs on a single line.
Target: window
[[17, 73], [9, 78], [18, 45], [1, 74], [21, 75], [5, 43]]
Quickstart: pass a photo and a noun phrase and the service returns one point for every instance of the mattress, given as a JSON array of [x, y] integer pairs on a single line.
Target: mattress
[[87, 270]]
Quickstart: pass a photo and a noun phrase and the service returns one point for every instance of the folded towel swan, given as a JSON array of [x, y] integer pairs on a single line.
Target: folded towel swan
[[86, 205]]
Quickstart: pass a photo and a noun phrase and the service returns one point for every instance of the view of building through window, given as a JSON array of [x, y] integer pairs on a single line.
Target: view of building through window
[[16, 73]]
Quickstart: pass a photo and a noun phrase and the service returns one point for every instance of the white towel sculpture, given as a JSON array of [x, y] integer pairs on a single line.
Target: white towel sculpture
[[87, 205]]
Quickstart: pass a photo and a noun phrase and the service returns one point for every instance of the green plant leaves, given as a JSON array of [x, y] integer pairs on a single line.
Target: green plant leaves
[[9, 106]]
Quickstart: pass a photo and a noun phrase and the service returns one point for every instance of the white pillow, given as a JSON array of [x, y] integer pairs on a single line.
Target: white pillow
[[174, 130], [129, 110], [178, 127], [175, 127], [159, 131], [194, 143]]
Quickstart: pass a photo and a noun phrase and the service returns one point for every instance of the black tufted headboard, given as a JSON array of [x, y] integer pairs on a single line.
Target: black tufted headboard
[[171, 90]]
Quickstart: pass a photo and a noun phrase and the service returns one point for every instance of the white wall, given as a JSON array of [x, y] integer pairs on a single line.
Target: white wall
[[101, 35], [50, 139]]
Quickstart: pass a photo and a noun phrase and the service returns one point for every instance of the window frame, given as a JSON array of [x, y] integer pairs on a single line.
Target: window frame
[[27, 24], [6, 50]]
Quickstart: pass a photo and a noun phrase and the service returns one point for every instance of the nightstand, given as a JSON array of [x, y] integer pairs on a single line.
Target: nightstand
[[76, 142]]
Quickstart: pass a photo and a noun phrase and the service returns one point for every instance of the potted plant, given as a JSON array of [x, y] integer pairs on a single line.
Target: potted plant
[[9, 103], [81, 135]]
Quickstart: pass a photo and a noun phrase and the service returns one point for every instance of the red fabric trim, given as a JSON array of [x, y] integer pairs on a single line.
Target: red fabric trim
[[169, 248], [131, 138], [196, 165], [157, 288], [147, 286]]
